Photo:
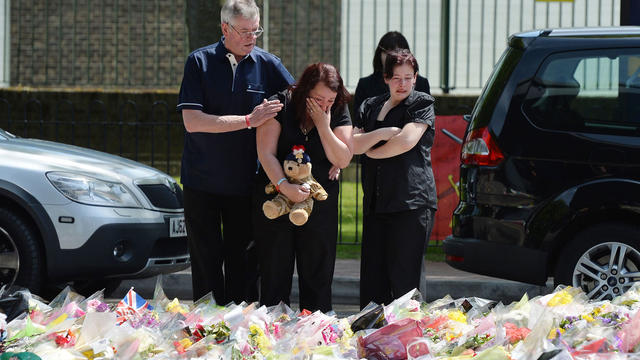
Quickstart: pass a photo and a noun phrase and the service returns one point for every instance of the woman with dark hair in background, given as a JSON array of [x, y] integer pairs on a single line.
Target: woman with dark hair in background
[[374, 85], [397, 181], [315, 115]]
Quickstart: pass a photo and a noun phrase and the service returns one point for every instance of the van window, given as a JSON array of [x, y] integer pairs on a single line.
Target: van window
[[492, 90], [587, 91]]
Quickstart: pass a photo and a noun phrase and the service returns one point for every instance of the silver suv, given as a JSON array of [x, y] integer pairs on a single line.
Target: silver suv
[[72, 214]]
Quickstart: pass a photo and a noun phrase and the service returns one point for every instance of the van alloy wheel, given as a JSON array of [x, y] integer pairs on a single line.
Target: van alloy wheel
[[607, 270], [9, 259], [603, 260]]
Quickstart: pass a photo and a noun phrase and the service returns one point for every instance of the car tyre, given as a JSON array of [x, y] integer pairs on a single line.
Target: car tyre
[[602, 260], [22, 261]]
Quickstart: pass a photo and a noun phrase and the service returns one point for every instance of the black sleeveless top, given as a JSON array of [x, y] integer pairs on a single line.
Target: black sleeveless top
[[290, 135]]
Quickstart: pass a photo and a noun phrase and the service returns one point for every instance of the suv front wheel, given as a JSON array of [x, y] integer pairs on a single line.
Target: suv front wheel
[[603, 260], [20, 256]]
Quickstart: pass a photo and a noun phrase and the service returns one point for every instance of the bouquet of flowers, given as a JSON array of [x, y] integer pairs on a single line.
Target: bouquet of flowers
[[563, 325]]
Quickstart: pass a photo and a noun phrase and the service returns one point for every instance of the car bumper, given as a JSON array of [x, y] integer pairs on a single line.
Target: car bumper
[[496, 259], [121, 250]]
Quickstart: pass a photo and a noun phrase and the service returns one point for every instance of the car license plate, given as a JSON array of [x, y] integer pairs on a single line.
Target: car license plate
[[177, 227]]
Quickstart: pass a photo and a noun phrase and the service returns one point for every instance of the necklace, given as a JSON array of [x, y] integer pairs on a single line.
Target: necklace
[[305, 132]]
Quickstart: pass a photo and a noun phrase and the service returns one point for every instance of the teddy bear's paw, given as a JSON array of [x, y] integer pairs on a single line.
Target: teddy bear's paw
[[270, 189], [298, 217], [271, 210], [322, 196]]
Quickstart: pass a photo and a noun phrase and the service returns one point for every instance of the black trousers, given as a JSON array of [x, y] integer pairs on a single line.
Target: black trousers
[[312, 247], [219, 232], [393, 247]]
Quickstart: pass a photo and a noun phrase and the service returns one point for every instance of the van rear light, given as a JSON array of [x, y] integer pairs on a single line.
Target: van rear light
[[479, 148], [454, 258]]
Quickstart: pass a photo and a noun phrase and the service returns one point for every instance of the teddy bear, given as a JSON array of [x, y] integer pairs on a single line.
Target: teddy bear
[[297, 169]]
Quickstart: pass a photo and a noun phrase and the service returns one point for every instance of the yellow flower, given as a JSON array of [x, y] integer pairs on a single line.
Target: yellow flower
[[347, 334], [554, 332], [186, 343], [597, 310], [259, 338], [175, 307], [587, 317], [450, 336], [90, 355], [561, 298], [458, 316]]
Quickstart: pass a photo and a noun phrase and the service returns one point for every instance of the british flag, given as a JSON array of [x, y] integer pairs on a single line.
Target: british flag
[[130, 306]]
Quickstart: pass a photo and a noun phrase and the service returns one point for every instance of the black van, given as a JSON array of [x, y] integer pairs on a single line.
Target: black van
[[550, 172]]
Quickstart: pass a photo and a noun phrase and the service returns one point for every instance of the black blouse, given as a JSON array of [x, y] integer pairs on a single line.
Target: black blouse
[[290, 135], [406, 181], [374, 85]]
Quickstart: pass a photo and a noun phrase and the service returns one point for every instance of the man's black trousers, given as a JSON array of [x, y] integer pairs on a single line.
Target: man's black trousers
[[220, 234]]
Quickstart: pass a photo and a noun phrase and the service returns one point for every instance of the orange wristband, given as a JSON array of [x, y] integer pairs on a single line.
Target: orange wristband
[[246, 119]]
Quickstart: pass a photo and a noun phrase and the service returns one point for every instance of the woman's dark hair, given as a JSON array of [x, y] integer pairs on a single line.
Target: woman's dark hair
[[312, 75], [388, 42], [397, 58]]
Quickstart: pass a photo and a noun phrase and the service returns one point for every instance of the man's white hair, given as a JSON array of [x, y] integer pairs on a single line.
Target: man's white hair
[[238, 8]]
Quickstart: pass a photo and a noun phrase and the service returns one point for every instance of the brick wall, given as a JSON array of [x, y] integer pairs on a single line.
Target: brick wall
[[97, 43], [142, 43]]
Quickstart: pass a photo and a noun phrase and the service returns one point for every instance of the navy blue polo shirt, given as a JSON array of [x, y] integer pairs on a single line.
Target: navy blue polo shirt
[[225, 163]]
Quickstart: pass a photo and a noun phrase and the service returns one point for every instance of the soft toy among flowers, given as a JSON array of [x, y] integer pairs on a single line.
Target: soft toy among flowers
[[297, 169]]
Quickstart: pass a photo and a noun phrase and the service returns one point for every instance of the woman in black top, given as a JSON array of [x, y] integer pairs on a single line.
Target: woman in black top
[[314, 115], [374, 85], [397, 181]]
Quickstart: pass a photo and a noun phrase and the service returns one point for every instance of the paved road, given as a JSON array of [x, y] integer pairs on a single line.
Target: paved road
[[440, 280]]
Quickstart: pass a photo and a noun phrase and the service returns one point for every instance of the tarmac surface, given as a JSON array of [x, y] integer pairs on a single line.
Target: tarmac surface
[[440, 280]]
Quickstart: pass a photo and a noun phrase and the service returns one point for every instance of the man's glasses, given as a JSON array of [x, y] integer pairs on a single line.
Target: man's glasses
[[248, 34]]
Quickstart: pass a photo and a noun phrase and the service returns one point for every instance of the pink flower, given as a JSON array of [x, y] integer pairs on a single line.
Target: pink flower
[[73, 310], [514, 333], [96, 305]]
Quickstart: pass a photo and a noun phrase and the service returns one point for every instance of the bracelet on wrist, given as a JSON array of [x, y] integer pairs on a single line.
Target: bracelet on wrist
[[280, 182], [246, 119]]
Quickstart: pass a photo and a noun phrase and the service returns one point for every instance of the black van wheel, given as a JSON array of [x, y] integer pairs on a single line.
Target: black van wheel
[[602, 260], [21, 261]]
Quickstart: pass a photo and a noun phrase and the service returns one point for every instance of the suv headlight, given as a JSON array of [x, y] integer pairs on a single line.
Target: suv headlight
[[91, 191]]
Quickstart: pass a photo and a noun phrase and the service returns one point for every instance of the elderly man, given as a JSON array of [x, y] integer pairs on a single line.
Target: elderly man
[[222, 100]]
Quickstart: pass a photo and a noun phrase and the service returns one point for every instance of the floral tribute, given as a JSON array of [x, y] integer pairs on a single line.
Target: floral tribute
[[563, 325]]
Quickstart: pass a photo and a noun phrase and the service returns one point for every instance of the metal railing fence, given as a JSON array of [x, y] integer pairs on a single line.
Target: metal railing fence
[[156, 140], [143, 43], [4, 42], [153, 135], [477, 32]]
